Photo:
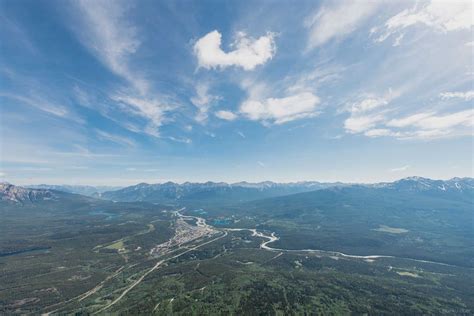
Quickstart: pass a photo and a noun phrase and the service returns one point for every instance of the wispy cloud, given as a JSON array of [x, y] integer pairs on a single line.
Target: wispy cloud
[[39, 104], [82, 152], [107, 32], [431, 121], [109, 35], [248, 53], [371, 117], [442, 16], [337, 21], [226, 115], [36, 95], [466, 96], [203, 100], [183, 140], [368, 111], [400, 169], [425, 125], [115, 138]]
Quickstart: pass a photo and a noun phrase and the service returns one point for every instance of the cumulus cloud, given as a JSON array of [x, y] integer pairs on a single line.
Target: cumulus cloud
[[281, 110], [226, 115], [338, 21], [443, 16], [466, 96], [203, 100], [248, 53]]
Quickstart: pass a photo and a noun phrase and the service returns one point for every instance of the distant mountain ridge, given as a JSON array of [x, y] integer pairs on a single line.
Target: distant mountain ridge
[[222, 192], [87, 190], [171, 192], [455, 188]]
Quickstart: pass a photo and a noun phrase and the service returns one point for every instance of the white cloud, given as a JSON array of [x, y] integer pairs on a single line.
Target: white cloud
[[398, 40], [248, 53], [467, 96], [368, 104], [409, 120], [400, 169], [370, 116], [203, 101], [366, 113], [183, 140], [151, 109], [226, 115], [462, 118], [441, 15], [431, 121], [281, 110], [424, 125], [380, 132], [338, 21], [358, 124]]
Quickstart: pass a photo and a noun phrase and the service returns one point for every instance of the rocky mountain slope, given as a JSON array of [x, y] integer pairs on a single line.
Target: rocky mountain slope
[[16, 194]]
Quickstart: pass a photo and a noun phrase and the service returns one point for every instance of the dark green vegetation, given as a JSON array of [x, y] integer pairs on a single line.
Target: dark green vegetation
[[66, 253], [352, 220]]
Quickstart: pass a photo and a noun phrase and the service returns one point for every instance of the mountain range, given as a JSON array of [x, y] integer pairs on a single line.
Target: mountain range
[[221, 192], [87, 190]]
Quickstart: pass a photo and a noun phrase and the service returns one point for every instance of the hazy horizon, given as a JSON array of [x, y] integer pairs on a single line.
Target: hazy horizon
[[154, 181]]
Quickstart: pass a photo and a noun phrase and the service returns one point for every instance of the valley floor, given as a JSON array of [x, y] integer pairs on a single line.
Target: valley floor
[[197, 268]]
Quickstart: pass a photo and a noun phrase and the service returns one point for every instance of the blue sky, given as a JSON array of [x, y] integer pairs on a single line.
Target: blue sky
[[120, 92]]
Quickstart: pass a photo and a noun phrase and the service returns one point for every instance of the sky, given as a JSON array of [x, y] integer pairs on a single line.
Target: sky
[[121, 92]]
